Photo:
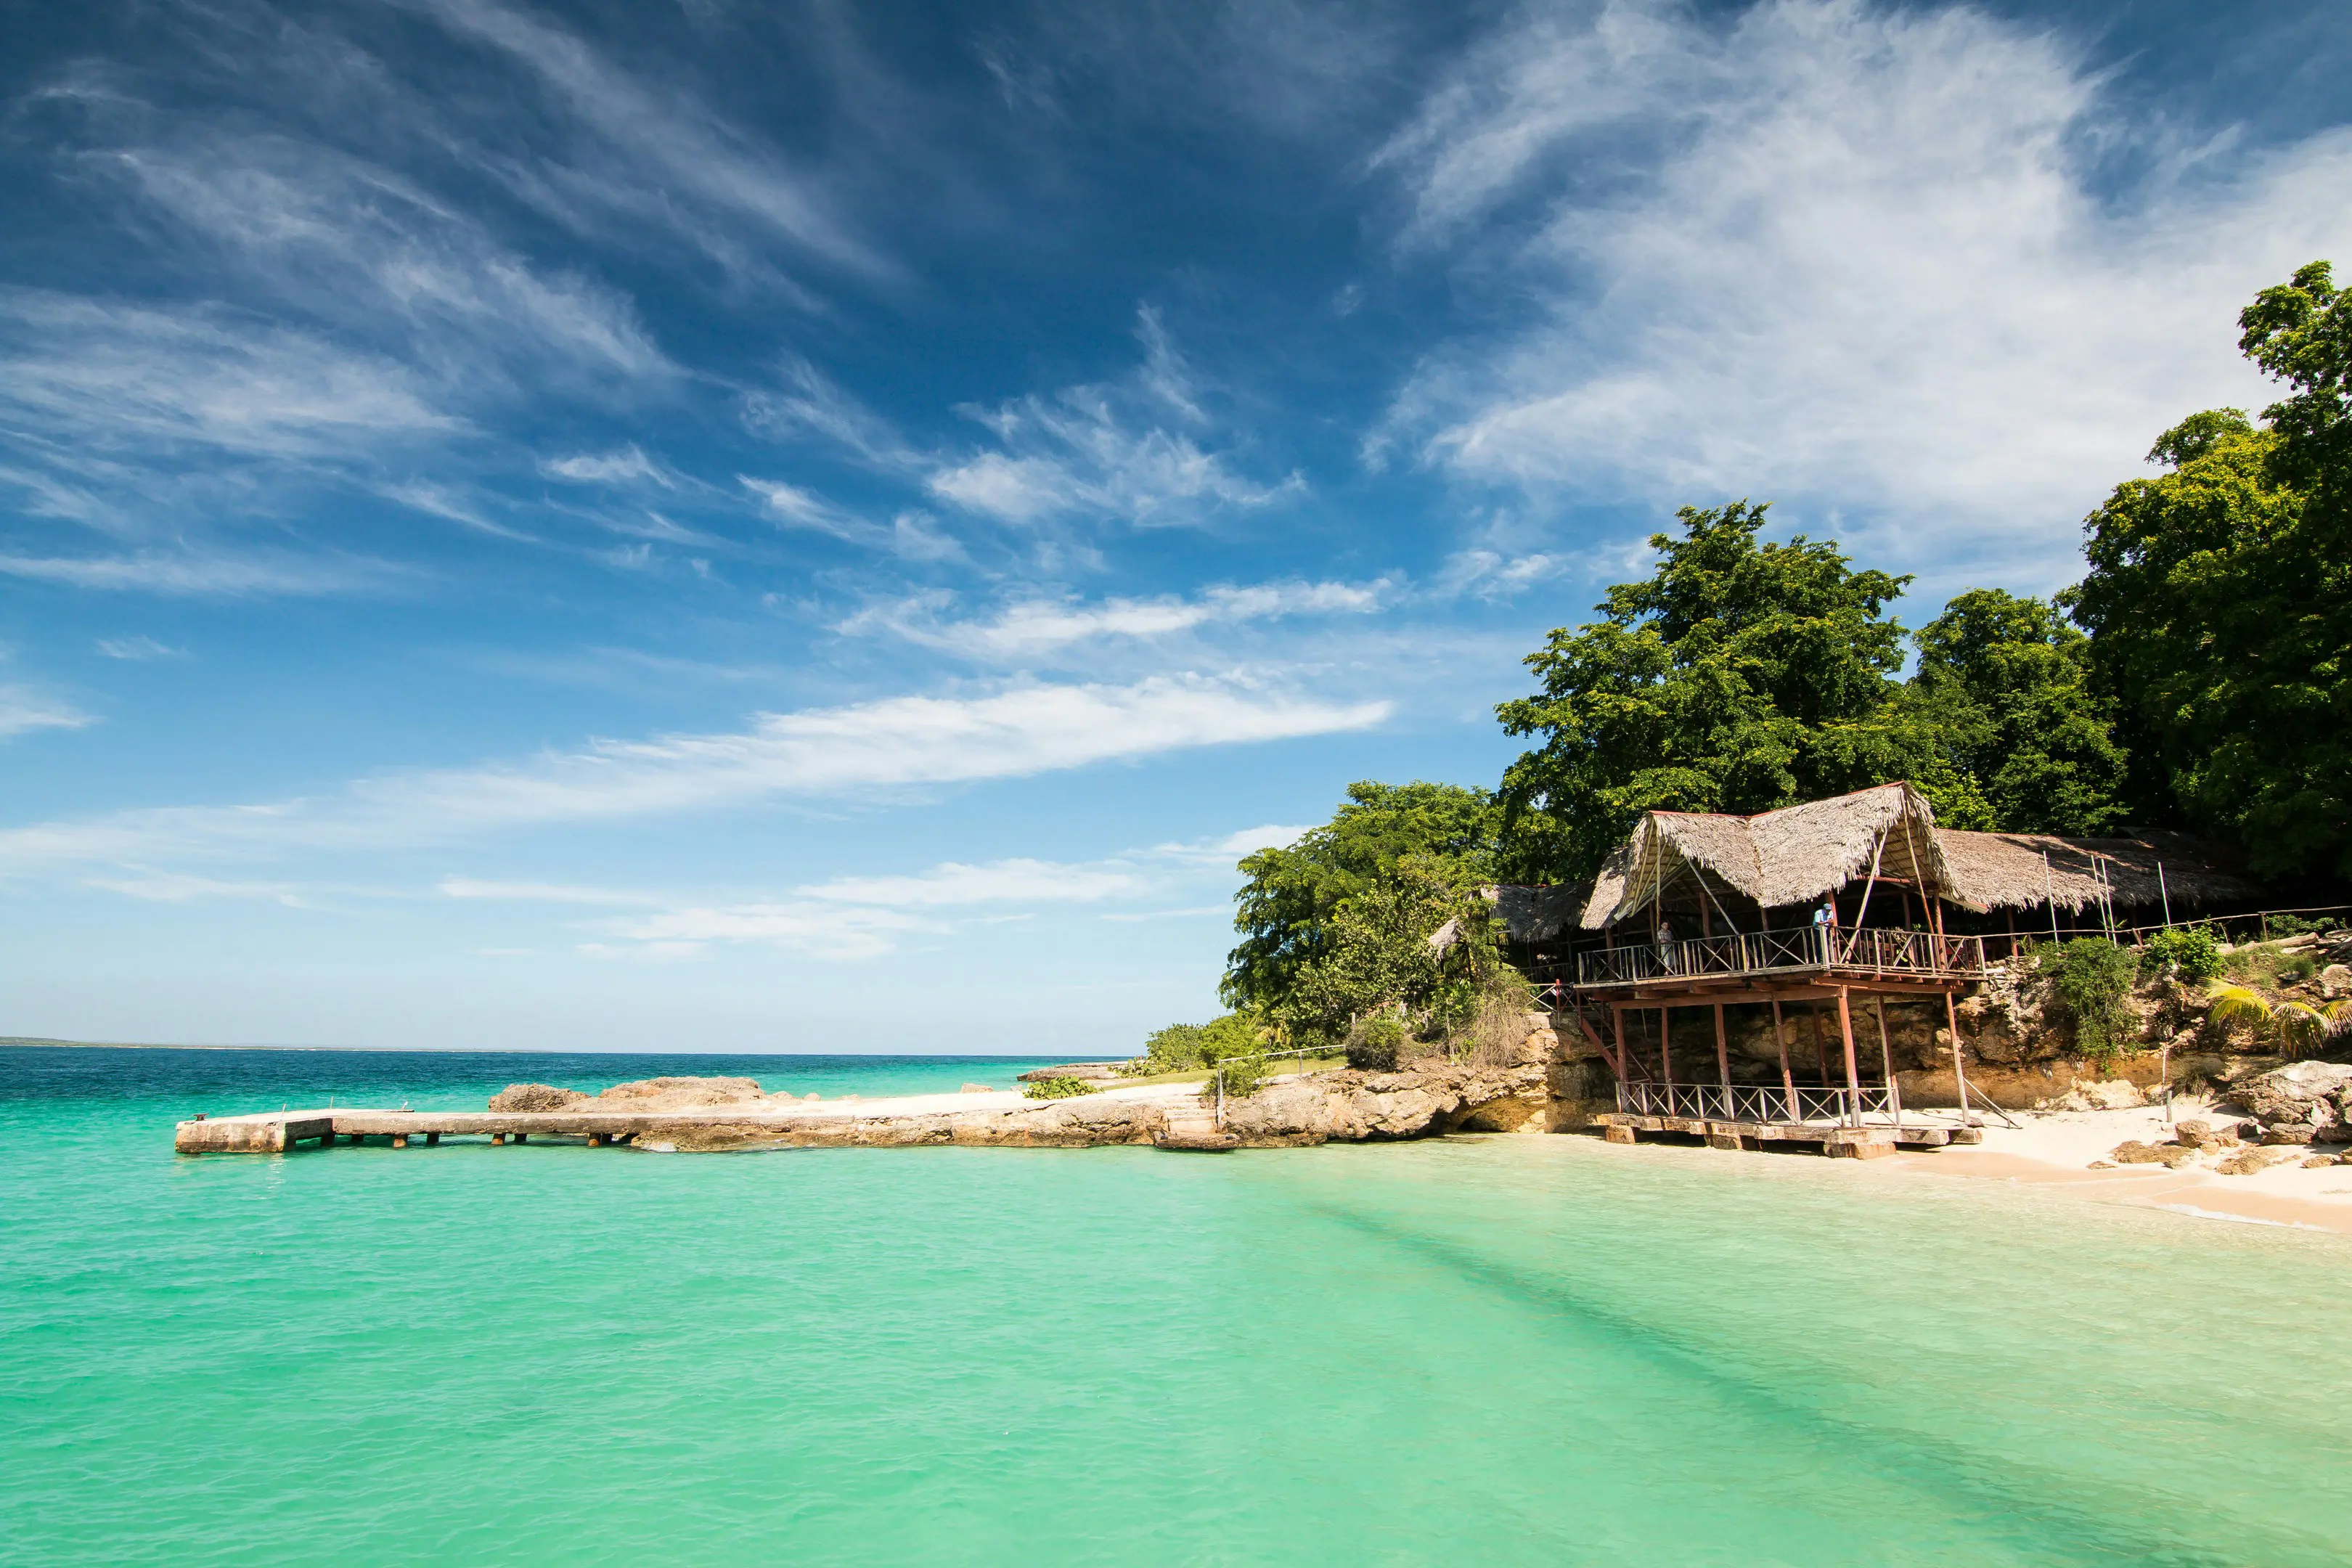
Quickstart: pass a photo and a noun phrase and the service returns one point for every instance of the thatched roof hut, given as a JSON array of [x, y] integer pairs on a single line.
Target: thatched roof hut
[[1802, 853]]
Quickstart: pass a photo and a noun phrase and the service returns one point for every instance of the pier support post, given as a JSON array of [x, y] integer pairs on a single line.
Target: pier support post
[[1853, 1071], [400, 1140], [1960, 1073], [1723, 1060], [522, 1137], [1887, 1055], [1616, 1134], [498, 1137], [433, 1139], [595, 1140], [1787, 1081]]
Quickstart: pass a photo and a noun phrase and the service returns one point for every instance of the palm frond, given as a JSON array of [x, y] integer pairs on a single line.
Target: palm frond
[[2238, 1004], [2300, 1029]]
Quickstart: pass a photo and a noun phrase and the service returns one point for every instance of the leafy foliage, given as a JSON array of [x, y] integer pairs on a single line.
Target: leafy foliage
[[1740, 677], [2191, 952], [2003, 687], [2092, 976], [1377, 954], [1058, 1089], [2218, 601], [1290, 903], [1377, 1044], [1187, 1048]]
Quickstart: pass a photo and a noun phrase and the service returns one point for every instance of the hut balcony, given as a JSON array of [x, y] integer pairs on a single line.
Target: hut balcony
[[1810, 955], [1764, 1104]]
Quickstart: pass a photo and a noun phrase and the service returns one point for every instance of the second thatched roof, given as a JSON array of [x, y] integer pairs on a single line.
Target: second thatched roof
[[1800, 854]]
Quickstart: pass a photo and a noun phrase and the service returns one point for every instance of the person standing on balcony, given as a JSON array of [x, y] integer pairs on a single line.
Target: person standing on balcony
[[1665, 945]]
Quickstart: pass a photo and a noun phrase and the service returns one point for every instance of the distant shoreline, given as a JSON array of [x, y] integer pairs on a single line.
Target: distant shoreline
[[30, 1042]]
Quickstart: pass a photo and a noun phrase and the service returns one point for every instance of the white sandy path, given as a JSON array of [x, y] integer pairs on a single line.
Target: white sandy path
[[2053, 1149]]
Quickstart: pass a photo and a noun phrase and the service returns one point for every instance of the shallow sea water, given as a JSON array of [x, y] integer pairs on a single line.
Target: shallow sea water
[[1505, 1350]]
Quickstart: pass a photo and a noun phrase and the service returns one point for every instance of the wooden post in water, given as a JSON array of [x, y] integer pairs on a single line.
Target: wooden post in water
[[595, 1140], [1617, 1027], [522, 1137], [400, 1140], [498, 1137], [433, 1139], [1886, 1056], [1853, 1072], [1788, 1081]]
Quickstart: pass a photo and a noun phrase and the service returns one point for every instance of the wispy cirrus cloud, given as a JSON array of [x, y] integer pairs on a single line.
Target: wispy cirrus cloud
[[223, 572], [1029, 627], [23, 709], [138, 648], [1869, 261], [895, 743]]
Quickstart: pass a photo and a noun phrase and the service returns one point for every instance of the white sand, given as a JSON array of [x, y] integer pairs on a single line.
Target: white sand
[[2053, 1149]]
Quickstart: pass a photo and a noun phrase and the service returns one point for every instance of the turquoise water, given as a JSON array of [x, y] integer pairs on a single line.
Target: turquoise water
[[1508, 1349]]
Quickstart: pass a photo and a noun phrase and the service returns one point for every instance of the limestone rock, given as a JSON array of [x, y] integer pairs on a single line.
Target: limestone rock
[[680, 1093], [2334, 980], [2298, 1102], [2135, 1153], [536, 1097], [2101, 1165], [2247, 1162], [2319, 1160], [2102, 1094]]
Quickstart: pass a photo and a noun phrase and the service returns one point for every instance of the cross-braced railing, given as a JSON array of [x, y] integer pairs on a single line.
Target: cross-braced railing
[[1755, 1102], [1809, 948]]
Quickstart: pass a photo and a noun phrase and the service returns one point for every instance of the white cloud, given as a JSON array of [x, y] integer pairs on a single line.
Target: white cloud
[[21, 709], [178, 887], [1077, 455], [191, 573], [660, 163], [614, 468], [897, 742], [1032, 627], [1225, 910], [999, 881], [1863, 264], [149, 377], [1220, 853], [822, 929], [138, 648], [539, 892]]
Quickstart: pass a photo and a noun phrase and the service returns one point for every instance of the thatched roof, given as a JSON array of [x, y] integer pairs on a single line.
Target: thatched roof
[[2004, 870], [1792, 856], [1539, 914], [1800, 854]]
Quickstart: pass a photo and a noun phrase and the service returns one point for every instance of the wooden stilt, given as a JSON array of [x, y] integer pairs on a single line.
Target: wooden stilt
[[1617, 1027], [1886, 1056], [1853, 1072], [1666, 1047], [1723, 1060], [595, 1140], [1960, 1073], [522, 1137], [1787, 1081]]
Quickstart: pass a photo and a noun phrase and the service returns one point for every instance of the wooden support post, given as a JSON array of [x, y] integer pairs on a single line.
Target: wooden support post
[[1787, 1081], [1821, 1047], [1853, 1072], [1960, 1073], [1615, 1134], [1617, 1027], [433, 1139], [1723, 1062], [1887, 1057], [1666, 1047]]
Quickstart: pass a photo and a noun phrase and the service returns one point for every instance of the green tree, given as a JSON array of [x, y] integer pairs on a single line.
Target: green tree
[[2003, 686], [2218, 601], [1287, 907], [1377, 954], [1739, 677]]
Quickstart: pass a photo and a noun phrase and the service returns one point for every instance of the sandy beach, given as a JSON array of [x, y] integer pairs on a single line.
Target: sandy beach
[[2055, 1149]]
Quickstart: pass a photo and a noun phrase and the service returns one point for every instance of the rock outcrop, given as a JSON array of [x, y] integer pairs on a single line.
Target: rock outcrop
[[2304, 1102], [536, 1097], [1365, 1107]]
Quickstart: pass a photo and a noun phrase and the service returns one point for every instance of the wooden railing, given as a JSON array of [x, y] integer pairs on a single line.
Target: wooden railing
[[1766, 953], [1756, 1102]]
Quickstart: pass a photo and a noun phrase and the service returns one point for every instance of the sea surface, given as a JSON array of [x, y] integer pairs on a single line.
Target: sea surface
[[1510, 1350]]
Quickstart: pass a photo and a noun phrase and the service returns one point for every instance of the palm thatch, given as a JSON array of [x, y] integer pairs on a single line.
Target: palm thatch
[[2005, 870], [1538, 914], [1800, 854], [1793, 856]]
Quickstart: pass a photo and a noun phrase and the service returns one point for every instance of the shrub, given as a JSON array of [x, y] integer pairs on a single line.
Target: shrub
[[2299, 966], [2093, 975], [1242, 1075], [2190, 952], [1059, 1087], [1375, 1043]]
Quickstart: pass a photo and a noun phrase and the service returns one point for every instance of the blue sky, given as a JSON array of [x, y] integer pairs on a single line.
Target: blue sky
[[712, 525]]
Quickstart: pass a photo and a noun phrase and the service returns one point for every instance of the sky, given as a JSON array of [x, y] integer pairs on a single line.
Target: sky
[[704, 525]]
